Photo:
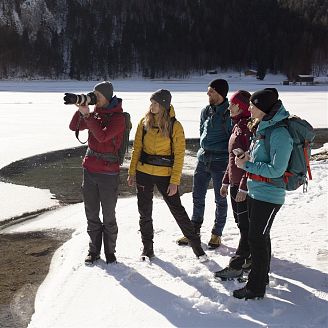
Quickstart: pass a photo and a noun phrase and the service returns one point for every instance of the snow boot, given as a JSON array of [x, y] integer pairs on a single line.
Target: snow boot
[[228, 273], [91, 257], [247, 294], [110, 258], [214, 242], [147, 252]]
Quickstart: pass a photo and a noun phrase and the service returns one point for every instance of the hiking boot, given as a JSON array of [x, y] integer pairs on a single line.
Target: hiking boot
[[247, 294], [183, 241], [148, 252], [214, 242], [110, 258], [91, 257], [228, 273]]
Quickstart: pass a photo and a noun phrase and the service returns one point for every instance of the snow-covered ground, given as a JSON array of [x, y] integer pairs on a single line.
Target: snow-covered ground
[[174, 290]]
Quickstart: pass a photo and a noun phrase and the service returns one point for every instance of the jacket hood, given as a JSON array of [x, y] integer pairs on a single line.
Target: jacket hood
[[172, 111], [281, 114]]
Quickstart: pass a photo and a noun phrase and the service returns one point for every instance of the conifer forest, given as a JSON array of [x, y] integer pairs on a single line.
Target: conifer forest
[[88, 39]]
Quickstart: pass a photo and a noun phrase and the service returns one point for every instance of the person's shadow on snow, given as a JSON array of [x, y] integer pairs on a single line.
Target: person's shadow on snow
[[296, 293], [179, 311], [294, 290]]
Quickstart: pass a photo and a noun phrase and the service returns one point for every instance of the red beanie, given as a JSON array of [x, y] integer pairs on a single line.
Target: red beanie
[[241, 98]]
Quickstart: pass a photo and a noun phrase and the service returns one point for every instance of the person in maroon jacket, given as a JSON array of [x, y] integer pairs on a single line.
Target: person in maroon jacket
[[101, 168], [236, 178]]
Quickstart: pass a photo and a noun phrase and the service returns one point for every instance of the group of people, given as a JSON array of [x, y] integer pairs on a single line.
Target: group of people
[[232, 155]]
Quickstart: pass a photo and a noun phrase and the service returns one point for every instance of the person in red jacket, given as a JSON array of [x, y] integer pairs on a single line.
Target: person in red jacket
[[101, 168], [236, 178]]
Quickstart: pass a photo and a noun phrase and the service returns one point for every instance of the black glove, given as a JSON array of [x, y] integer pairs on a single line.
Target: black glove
[[70, 98]]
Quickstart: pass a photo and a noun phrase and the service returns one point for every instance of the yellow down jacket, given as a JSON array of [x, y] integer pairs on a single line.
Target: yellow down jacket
[[155, 144]]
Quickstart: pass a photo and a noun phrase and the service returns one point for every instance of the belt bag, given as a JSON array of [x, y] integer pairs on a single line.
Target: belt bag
[[108, 157], [157, 160]]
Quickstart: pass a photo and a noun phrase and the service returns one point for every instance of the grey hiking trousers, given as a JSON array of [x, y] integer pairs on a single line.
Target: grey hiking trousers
[[100, 189]]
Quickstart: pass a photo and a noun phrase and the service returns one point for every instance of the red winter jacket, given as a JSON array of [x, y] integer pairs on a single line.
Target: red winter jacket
[[105, 135], [240, 138]]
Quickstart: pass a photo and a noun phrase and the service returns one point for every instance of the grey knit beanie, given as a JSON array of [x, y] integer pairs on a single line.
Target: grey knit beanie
[[163, 97], [105, 88]]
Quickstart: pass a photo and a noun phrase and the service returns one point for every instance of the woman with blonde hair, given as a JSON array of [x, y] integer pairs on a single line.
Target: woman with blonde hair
[[157, 159]]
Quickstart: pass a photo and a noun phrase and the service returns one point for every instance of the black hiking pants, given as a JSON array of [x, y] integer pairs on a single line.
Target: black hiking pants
[[240, 214], [145, 187], [100, 189], [261, 216]]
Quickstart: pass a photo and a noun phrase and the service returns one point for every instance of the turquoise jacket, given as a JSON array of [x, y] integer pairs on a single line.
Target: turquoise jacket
[[215, 129], [271, 165]]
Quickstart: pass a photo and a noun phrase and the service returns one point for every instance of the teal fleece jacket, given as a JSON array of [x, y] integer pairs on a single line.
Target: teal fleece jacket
[[215, 129], [271, 165]]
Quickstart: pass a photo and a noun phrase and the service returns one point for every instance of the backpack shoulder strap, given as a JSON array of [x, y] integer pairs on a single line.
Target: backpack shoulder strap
[[143, 132], [224, 118], [173, 120], [268, 131]]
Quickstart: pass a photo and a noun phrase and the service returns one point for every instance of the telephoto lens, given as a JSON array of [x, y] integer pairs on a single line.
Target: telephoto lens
[[83, 100]]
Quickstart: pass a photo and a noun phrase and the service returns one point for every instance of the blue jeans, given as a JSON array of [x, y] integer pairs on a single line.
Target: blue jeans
[[202, 177]]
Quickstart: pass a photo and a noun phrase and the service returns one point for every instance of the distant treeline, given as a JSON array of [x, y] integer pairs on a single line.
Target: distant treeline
[[84, 39]]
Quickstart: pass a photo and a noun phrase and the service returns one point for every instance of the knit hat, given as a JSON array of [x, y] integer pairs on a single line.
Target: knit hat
[[265, 99], [163, 97], [241, 98], [220, 86], [105, 88]]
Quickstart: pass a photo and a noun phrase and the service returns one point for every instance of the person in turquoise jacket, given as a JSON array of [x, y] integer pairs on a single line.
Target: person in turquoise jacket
[[264, 198]]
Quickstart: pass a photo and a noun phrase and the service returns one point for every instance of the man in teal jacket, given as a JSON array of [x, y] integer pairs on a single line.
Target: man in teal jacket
[[264, 198], [215, 130]]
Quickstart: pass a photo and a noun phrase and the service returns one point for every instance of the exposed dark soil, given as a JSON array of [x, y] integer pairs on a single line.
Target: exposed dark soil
[[25, 257], [24, 263]]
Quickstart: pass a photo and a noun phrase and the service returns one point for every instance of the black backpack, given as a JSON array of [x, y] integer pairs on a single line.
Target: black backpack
[[124, 148]]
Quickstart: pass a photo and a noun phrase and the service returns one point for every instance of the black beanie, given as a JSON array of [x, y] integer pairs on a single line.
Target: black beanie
[[163, 97], [220, 86], [265, 99], [105, 88]]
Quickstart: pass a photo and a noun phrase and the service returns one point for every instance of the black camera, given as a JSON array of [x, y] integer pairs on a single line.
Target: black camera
[[83, 100]]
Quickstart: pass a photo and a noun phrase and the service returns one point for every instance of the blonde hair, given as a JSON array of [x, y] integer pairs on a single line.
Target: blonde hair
[[163, 123], [252, 124]]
